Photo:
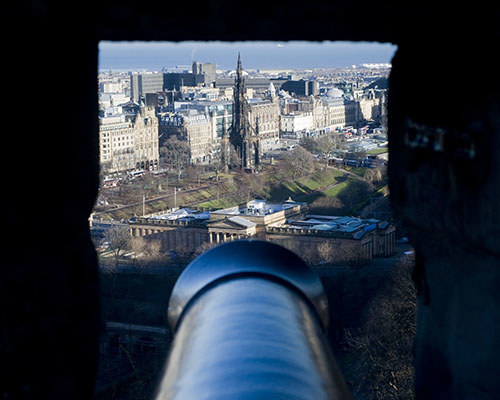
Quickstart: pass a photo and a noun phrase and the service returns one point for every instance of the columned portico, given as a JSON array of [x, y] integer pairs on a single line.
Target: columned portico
[[229, 229]]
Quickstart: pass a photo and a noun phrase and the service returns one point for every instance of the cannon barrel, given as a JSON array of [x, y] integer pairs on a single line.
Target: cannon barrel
[[249, 319]]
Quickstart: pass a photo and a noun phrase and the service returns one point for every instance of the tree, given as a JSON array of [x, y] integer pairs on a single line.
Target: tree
[[251, 184], [298, 162], [147, 252], [118, 238], [310, 144], [350, 254], [327, 144], [193, 173], [324, 145], [205, 246], [230, 159], [356, 192], [325, 252], [381, 365], [154, 250], [137, 245], [328, 205], [175, 154], [373, 175]]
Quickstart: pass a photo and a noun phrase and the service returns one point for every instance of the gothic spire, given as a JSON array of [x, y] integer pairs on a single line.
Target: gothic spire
[[242, 132], [239, 69]]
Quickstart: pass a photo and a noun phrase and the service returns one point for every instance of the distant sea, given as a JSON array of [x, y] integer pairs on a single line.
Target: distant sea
[[130, 56]]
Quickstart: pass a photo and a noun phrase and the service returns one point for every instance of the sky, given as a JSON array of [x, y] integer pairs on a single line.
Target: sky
[[254, 55]]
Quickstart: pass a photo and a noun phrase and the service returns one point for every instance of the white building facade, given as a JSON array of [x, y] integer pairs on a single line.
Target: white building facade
[[297, 125], [128, 144]]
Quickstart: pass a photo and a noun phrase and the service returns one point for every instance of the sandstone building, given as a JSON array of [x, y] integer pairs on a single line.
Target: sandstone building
[[317, 238], [129, 142], [196, 129]]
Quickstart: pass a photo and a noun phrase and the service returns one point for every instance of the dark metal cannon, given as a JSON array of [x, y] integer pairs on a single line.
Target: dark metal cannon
[[249, 320]]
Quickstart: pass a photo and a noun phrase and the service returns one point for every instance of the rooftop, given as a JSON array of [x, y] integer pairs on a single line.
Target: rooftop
[[258, 208], [253, 213], [350, 225], [183, 214], [241, 221]]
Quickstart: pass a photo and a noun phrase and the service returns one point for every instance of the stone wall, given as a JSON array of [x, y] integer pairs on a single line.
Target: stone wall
[[179, 237], [316, 249]]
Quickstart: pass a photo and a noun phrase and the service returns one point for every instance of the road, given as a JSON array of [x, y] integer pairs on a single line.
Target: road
[[153, 199]]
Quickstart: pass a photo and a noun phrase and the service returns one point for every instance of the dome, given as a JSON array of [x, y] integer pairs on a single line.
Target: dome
[[334, 92]]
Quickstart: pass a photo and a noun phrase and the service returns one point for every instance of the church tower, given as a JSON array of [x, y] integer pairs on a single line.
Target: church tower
[[243, 137]]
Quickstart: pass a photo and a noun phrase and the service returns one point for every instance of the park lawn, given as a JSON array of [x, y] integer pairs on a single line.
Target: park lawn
[[330, 192], [320, 179], [360, 171], [304, 185], [283, 191], [199, 195], [380, 150], [335, 190], [300, 189], [204, 193]]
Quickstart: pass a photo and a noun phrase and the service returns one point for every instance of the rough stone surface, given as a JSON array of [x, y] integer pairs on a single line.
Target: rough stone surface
[[444, 80], [446, 195]]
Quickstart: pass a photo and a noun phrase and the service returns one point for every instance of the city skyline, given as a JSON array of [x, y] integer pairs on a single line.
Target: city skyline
[[255, 55]]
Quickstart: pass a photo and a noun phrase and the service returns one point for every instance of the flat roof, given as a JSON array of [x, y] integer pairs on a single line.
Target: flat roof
[[242, 221], [257, 208], [353, 225], [183, 214]]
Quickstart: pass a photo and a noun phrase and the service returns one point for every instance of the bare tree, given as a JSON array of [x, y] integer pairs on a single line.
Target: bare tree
[[373, 175], [350, 254], [175, 153], [149, 182], [324, 144], [325, 252], [205, 246], [118, 238], [147, 251], [382, 367], [298, 162], [356, 192], [137, 245], [327, 144], [327, 205], [193, 173], [154, 250], [250, 184], [310, 144]]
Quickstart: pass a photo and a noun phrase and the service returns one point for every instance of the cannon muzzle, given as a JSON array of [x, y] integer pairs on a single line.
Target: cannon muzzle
[[249, 319]]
